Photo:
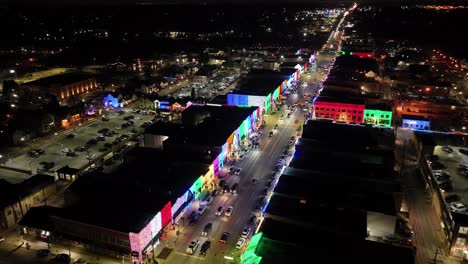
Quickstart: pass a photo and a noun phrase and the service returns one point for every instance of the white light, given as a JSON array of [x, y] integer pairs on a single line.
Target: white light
[[12, 71], [228, 257], [13, 105], [22, 138]]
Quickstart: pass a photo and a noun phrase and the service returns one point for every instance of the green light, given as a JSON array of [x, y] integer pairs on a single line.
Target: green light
[[350, 53], [377, 117], [249, 256]]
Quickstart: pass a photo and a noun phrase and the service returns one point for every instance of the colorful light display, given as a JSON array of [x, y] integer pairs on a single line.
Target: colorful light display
[[110, 101], [416, 124], [178, 203], [138, 242], [249, 256], [196, 187], [378, 117], [340, 112]]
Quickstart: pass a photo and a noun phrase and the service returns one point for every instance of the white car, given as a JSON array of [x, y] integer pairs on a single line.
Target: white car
[[201, 210], [240, 243], [117, 128], [458, 207], [208, 200], [246, 231], [192, 247], [229, 211]]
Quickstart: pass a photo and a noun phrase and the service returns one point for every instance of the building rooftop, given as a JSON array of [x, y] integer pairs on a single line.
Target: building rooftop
[[60, 80], [11, 193], [260, 82], [339, 98], [296, 211], [210, 125], [139, 189], [297, 246], [164, 128]]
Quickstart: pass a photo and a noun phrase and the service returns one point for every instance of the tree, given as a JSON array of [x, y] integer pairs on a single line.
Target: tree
[[9, 86], [193, 94]]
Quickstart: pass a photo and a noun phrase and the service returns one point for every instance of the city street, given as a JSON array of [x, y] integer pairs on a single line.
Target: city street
[[258, 163]]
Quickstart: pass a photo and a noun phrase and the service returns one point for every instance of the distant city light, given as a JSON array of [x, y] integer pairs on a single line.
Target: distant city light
[[12, 71]]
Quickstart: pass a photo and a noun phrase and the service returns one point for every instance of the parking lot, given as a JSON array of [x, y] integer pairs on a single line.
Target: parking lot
[[452, 158], [55, 156]]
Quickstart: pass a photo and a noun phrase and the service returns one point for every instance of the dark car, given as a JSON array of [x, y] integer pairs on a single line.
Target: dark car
[[127, 118], [452, 198], [268, 184], [433, 158], [222, 183], [437, 166], [109, 133], [105, 119], [33, 154], [214, 192], [43, 252], [70, 135], [108, 162], [108, 145], [102, 149], [224, 237], [62, 258], [270, 134], [100, 138], [205, 247], [226, 189], [443, 177], [91, 142], [446, 186], [447, 149], [463, 151], [103, 130], [252, 220], [265, 191], [70, 154]]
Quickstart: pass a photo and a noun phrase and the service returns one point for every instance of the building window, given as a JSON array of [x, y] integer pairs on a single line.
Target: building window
[[353, 118], [358, 119], [372, 115], [333, 109], [354, 111], [342, 110], [386, 116], [359, 112], [461, 241], [367, 114], [9, 212]]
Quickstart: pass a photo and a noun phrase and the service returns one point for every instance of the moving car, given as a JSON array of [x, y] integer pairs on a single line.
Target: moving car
[[237, 171], [240, 243], [192, 247], [43, 252], [253, 181], [229, 211], [270, 134], [207, 229], [220, 211], [234, 188], [224, 237]]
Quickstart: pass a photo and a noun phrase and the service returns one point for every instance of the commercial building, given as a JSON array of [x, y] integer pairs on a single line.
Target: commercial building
[[145, 196], [263, 88], [17, 199], [69, 88], [339, 109], [415, 122], [378, 115], [335, 188]]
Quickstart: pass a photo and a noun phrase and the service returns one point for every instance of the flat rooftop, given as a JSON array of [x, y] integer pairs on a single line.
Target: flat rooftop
[[338, 98], [210, 125], [60, 80], [295, 245], [260, 83], [129, 190]]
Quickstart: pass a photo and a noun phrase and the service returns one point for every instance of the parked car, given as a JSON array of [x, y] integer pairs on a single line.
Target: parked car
[[458, 207], [205, 247], [234, 188], [447, 149], [253, 181], [237, 171], [246, 231], [463, 151], [208, 200], [192, 247], [207, 229], [43, 252], [201, 210], [240, 243], [452, 198]]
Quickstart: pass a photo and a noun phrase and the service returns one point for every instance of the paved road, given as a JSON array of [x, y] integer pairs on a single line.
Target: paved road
[[258, 163]]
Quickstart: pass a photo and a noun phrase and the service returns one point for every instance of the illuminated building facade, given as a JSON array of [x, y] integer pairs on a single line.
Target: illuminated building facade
[[378, 117], [415, 122], [339, 110], [69, 88], [263, 89]]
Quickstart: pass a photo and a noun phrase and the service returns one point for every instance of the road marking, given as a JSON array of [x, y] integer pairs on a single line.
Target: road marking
[[187, 255]]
